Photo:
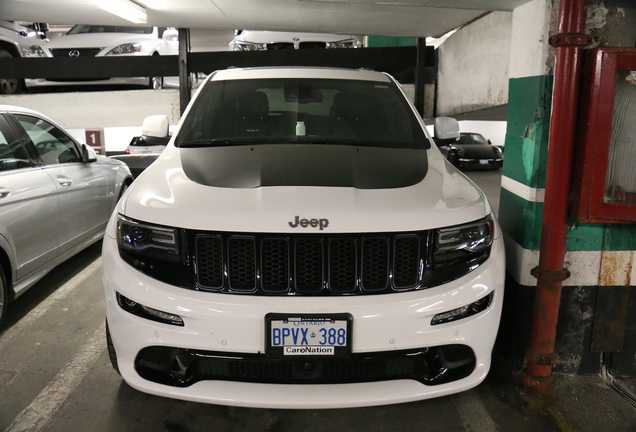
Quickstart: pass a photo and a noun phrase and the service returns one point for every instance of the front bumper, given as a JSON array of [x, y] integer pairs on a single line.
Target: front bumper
[[231, 324], [479, 163]]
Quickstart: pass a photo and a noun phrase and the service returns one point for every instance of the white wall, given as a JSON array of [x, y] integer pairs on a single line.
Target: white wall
[[473, 66], [530, 54]]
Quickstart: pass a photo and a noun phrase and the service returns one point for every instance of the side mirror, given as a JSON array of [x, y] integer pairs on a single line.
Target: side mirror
[[155, 126], [88, 153], [170, 35], [446, 128]]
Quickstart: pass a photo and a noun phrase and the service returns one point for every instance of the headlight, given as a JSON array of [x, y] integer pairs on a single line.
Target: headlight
[[248, 46], [463, 312], [146, 312], [36, 51], [148, 241], [127, 48], [457, 150], [463, 241], [347, 43]]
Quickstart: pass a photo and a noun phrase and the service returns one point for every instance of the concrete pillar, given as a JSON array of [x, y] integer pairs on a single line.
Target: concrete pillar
[[590, 247]]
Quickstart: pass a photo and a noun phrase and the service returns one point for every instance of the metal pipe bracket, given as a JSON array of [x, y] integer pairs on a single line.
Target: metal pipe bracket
[[550, 275], [566, 40]]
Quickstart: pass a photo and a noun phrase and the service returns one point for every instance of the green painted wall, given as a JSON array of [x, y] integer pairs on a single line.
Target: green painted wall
[[527, 133], [381, 41], [528, 128]]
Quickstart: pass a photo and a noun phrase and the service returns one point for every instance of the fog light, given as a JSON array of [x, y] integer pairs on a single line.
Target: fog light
[[464, 311], [149, 313]]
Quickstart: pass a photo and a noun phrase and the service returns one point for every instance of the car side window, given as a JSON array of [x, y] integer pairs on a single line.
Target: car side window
[[51, 144], [13, 155]]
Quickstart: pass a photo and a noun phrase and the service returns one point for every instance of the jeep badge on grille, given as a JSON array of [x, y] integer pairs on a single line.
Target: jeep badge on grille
[[314, 223]]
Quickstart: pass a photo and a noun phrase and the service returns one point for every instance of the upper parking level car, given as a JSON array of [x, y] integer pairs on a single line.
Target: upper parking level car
[[55, 198], [15, 40], [100, 41], [255, 40]]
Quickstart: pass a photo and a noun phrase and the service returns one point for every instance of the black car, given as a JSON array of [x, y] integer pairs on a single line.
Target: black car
[[472, 151]]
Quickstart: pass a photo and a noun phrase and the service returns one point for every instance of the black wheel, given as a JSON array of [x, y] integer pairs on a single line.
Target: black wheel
[[156, 83], [4, 296], [124, 187], [9, 85], [111, 350]]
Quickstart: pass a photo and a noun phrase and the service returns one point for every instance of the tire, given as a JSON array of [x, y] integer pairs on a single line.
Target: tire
[[12, 85], [155, 83], [112, 355], [4, 296], [124, 187]]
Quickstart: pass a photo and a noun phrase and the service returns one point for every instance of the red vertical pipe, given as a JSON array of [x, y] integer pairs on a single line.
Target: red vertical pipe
[[540, 354]]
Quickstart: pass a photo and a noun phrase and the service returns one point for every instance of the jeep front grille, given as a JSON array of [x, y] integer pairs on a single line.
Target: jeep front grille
[[309, 264]]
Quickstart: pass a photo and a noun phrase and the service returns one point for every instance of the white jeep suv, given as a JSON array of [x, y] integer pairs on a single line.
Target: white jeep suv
[[302, 243]]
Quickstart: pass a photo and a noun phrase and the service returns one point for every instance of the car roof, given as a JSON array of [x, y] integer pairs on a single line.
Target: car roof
[[299, 72], [23, 110]]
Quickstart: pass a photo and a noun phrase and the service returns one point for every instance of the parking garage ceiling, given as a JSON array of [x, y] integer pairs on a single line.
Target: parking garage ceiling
[[412, 18]]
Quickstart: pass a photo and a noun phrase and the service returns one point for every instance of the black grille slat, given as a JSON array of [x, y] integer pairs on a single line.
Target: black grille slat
[[342, 265], [210, 261], [75, 52], [275, 265], [309, 264], [375, 264], [280, 46], [242, 263], [406, 261], [309, 259]]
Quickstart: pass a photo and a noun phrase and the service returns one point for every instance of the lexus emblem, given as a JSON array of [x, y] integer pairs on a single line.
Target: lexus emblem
[[74, 53]]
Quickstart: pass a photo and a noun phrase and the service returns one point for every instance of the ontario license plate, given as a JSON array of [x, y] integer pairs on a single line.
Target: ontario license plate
[[326, 335]]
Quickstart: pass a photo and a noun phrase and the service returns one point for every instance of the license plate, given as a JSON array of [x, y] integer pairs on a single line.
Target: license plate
[[484, 161], [325, 335]]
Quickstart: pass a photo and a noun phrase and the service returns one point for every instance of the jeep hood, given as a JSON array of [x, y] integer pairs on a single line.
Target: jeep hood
[[177, 191]]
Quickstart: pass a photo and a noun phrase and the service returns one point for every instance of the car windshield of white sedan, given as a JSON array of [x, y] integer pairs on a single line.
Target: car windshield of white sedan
[[82, 29], [302, 111]]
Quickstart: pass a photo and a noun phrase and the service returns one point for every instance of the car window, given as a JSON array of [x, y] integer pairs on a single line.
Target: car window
[[51, 144], [312, 111], [12, 153], [140, 141], [472, 138]]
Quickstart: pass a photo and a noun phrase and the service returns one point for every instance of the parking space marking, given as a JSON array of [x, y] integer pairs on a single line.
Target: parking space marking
[[473, 413], [41, 410], [37, 312]]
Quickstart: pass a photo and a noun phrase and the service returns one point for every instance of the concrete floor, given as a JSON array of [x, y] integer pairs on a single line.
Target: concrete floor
[[55, 376]]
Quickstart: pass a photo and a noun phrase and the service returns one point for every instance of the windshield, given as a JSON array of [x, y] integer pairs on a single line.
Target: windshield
[[471, 138], [80, 29], [311, 111]]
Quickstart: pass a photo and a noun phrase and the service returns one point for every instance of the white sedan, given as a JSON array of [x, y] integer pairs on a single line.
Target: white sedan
[[56, 196], [256, 40], [103, 41]]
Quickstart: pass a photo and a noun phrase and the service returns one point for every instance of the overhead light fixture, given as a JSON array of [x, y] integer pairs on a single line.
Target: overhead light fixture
[[125, 9]]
